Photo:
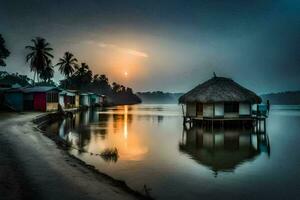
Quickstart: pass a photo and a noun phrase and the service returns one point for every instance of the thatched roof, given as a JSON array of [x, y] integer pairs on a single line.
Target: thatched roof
[[219, 89]]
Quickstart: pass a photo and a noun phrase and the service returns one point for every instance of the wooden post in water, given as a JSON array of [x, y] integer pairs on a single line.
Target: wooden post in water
[[212, 121]]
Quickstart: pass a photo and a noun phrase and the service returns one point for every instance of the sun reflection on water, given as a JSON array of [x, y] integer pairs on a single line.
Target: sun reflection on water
[[125, 121]]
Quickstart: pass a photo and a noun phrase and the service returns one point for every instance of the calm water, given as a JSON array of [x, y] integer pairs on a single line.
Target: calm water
[[155, 151]]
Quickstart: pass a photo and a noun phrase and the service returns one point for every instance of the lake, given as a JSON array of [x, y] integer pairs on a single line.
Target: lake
[[155, 151]]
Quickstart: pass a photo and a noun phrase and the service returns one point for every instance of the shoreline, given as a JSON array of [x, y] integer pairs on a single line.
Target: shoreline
[[52, 156], [64, 147]]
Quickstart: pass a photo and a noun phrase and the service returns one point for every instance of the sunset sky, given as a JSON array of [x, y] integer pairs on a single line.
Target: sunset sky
[[164, 45]]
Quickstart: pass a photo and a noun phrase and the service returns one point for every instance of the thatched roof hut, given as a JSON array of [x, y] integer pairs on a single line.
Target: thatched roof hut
[[220, 89]]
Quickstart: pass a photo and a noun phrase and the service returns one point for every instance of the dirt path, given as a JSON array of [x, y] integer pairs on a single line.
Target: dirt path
[[32, 167]]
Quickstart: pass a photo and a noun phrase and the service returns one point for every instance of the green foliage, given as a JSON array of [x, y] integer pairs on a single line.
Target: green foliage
[[14, 78], [48, 83], [4, 52]]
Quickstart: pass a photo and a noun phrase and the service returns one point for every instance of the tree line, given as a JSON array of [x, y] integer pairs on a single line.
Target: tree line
[[78, 76]]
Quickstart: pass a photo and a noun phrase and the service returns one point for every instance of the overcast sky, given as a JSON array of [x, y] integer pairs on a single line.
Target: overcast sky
[[164, 45]]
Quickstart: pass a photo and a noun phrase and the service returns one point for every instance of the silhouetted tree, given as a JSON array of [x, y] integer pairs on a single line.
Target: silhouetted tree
[[101, 83], [83, 73], [39, 55], [4, 53], [47, 73], [67, 64], [83, 80], [116, 87], [82, 69]]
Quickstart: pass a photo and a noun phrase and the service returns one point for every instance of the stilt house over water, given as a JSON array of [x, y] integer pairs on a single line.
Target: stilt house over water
[[219, 98]]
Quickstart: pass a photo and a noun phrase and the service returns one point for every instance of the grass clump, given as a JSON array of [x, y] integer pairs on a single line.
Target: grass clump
[[110, 154]]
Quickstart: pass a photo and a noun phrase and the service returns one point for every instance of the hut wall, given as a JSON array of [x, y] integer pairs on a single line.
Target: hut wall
[[101, 100], [231, 115], [219, 109], [1, 100], [52, 101], [87, 100], [93, 99], [254, 107], [39, 102], [97, 100], [52, 106], [191, 109], [244, 109], [208, 110], [62, 101], [77, 101], [28, 102], [81, 100], [14, 100], [90, 99], [84, 100]]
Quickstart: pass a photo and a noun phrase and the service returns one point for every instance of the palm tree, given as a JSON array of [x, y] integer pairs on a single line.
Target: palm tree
[[39, 55], [67, 64], [83, 75], [4, 53], [82, 70], [47, 73]]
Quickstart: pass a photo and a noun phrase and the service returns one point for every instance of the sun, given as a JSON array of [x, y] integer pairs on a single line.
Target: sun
[[126, 74]]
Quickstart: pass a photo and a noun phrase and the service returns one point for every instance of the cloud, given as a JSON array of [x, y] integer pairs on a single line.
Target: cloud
[[123, 50]]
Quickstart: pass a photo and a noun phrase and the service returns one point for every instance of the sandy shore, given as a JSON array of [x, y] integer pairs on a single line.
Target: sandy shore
[[32, 167]]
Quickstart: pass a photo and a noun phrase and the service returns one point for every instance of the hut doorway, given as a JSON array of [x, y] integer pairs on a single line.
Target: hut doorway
[[199, 109]]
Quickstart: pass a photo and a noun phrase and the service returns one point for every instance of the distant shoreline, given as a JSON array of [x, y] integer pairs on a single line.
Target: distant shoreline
[[280, 98]]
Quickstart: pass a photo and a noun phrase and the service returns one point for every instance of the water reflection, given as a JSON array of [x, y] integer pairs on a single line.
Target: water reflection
[[153, 150], [96, 132], [222, 150]]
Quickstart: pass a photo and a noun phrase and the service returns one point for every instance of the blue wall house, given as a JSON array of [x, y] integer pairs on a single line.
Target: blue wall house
[[2, 93], [95, 99], [85, 99], [13, 99]]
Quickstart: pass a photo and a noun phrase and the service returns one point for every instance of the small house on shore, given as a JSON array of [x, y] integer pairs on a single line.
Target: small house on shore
[[219, 98], [41, 98], [69, 99]]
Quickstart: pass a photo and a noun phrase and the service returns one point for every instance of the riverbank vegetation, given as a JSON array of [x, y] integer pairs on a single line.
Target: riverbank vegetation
[[78, 76]]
